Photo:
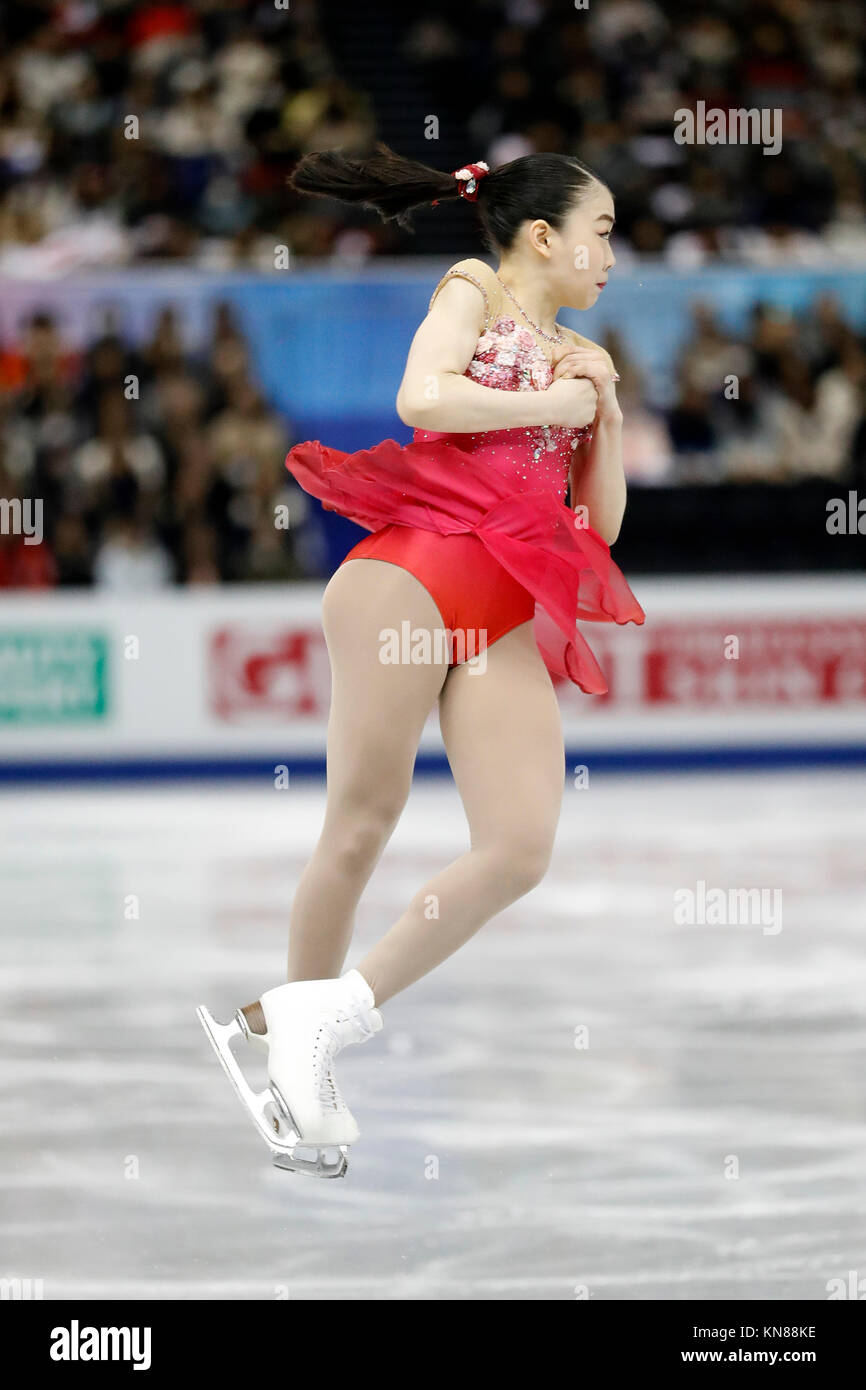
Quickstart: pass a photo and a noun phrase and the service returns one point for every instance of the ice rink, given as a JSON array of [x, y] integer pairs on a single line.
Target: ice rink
[[589, 1100]]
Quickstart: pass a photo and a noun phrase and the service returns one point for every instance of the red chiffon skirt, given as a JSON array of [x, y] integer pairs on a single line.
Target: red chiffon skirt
[[435, 486]]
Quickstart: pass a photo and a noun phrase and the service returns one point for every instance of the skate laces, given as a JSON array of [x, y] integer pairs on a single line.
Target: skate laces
[[338, 1032]]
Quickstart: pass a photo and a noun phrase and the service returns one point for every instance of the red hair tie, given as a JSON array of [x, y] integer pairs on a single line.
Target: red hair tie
[[468, 178]]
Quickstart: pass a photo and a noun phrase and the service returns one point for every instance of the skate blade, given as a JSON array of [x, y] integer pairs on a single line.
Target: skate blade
[[268, 1110]]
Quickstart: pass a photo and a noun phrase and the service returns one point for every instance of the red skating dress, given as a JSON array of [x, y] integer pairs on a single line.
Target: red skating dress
[[481, 519]]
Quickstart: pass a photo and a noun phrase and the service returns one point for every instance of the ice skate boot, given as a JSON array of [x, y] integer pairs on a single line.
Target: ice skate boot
[[308, 1022]]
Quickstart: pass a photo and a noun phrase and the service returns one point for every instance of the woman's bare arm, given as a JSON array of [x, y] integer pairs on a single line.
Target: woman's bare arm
[[597, 480], [435, 395], [597, 487]]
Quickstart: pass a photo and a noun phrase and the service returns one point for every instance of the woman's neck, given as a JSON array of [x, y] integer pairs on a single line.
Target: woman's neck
[[532, 296]]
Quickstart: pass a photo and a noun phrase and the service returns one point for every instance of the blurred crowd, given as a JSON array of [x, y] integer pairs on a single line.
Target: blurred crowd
[[153, 466], [162, 131], [784, 402], [165, 130], [158, 466], [605, 83]]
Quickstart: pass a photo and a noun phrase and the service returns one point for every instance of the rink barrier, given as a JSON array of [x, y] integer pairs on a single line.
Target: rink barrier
[[235, 681], [605, 761]]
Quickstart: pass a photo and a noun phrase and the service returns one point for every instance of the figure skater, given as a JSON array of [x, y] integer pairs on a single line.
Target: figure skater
[[475, 553]]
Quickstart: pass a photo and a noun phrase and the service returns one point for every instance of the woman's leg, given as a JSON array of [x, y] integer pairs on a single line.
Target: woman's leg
[[503, 735], [377, 713]]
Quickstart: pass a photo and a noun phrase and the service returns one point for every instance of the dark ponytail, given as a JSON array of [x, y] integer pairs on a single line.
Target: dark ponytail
[[385, 181], [535, 185]]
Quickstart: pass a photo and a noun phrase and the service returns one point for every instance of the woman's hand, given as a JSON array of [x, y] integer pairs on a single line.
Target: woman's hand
[[575, 363], [573, 402]]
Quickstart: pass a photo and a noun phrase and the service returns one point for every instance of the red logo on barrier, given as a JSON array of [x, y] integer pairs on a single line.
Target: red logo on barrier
[[257, 675], [780, 663]]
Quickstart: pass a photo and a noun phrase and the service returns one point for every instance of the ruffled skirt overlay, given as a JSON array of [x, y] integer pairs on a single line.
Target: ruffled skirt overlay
[[434, 485]]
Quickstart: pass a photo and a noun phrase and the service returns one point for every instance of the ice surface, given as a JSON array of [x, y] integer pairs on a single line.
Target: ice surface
[[497, 1159]]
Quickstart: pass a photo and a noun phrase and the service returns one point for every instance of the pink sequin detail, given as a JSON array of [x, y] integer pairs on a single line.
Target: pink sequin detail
[[508, 358]]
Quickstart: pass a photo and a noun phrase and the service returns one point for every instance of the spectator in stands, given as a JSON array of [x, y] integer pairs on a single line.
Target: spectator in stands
[[131, 559], [693, 433], [812, 429], [117, 464]]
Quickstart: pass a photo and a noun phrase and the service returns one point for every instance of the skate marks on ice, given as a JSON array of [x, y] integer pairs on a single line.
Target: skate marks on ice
[[587, 1100]]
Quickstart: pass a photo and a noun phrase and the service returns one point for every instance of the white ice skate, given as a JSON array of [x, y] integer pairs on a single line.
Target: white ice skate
[[308, 1022]]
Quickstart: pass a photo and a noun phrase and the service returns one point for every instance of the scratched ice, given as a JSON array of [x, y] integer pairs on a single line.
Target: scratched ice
[[587, 1096]]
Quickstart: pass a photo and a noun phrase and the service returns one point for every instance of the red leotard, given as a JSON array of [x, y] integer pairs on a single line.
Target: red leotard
[[477, 599], [480, 519]]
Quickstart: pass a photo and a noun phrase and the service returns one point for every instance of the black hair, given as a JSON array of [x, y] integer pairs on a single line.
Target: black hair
[[535, 185]]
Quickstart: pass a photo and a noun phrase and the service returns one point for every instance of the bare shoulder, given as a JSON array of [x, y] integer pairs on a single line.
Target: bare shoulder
[[580, 341], [478, 273]]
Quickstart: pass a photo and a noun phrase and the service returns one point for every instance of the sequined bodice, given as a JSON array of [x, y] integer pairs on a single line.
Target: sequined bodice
[[508, 358]]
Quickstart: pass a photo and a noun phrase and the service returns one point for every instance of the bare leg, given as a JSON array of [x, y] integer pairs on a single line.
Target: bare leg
[[377, 713], [503, 736]]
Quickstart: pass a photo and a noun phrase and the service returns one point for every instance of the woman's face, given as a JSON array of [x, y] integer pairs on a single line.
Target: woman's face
[[581, 254]]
